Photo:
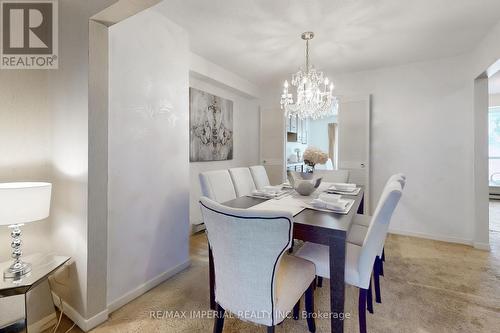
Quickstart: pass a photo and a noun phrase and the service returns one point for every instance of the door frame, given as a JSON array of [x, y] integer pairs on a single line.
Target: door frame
[[368, 99], [480, 193]]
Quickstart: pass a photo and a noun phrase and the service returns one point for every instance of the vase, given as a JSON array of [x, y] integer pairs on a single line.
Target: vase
[[303, 186]]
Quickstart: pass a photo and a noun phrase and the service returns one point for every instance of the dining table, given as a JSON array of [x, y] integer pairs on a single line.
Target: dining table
[[317, 226]]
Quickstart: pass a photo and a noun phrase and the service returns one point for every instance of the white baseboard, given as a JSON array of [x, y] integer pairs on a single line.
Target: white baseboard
[[197, 228], [85, 324], [482, 246], [476, 245], [96, 320], [432, 237], [88, 324], [145, 287]]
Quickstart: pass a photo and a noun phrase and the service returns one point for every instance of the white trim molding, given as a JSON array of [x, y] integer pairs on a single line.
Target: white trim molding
[[480, 193], [90, 323], [84, 324], [197, 227], [145, 287], [202, 68], [469, 242], [482, 246]]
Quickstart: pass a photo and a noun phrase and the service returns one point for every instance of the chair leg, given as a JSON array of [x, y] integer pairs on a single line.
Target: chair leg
[[380, 263], [310, 307], [296, 310], [383, 254], [362, 310], [369, 298], [219, 319], [270, 329], [320, 281], [376, 280]]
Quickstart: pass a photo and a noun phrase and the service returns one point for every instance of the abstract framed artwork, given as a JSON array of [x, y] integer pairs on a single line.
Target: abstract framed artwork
[[211, 127]]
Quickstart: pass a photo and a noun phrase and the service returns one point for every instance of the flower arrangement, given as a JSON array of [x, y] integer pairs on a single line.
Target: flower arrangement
[[313, 156]]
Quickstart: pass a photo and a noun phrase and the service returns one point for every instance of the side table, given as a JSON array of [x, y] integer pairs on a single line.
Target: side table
[[43, 265]]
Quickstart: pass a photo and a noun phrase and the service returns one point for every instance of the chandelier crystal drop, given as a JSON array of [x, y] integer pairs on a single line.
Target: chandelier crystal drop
[[314, 98]]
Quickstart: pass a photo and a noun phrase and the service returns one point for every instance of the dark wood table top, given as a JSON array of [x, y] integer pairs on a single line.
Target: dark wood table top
[[310, 217]]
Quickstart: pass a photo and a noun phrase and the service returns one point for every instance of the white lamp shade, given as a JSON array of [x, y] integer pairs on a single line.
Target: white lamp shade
[[24, 202]]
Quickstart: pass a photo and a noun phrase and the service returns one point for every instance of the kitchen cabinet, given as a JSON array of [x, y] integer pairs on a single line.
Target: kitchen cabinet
[[293, 124], [296, 130]]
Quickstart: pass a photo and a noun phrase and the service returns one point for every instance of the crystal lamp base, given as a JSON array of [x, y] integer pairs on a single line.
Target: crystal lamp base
[[17, 269]]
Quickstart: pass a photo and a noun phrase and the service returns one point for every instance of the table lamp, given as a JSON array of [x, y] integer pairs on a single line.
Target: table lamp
[[21, 203]]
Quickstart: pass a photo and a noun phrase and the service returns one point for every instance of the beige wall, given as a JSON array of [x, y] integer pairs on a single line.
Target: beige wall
[[25, 145], [420, 114], [43, 135], [25, 154], [148, 184]]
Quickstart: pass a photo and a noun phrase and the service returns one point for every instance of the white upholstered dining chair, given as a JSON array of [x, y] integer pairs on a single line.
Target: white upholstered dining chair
[[259, 176], [217, 185], [333, 176], [357, 235], [359, 259], [242, 180], [254, 279], [365, 220]]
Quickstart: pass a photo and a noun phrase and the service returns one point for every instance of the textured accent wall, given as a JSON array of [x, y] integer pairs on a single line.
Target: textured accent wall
[[148, 193]]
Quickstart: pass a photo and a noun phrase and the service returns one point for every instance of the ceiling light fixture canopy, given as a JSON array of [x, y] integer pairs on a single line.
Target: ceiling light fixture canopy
[[314, 98]]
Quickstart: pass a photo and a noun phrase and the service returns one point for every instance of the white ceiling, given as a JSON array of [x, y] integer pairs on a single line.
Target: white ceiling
[[260, 39], [494, 84]]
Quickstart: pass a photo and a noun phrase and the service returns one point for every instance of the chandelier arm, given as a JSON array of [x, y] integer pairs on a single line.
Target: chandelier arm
[[307, 56]]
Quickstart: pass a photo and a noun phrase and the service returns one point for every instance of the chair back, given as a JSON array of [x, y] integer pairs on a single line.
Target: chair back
[[247, 247], [242, 180], [399, 177], [259, 176], [217, 185], [333, 176], [377, 230]]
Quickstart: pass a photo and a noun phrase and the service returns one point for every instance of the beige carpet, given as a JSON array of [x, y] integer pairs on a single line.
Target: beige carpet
[[429, 287]]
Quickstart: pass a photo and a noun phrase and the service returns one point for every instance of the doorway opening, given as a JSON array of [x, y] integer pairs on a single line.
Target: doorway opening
[[494, 152]]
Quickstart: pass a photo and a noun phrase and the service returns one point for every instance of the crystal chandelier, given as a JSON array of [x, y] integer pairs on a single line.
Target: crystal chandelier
[[314, 92]]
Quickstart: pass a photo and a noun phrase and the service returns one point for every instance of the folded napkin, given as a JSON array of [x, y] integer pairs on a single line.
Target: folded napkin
[[344, 186], [339, 205], [271, 189], [269, 194], [330, 198]]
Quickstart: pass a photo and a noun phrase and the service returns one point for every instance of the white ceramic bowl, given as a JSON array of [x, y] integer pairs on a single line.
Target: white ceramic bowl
[[304, 187]]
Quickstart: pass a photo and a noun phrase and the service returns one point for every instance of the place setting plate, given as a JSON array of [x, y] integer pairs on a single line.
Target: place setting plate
[[344, 190], [278, 194], [347, 208]]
